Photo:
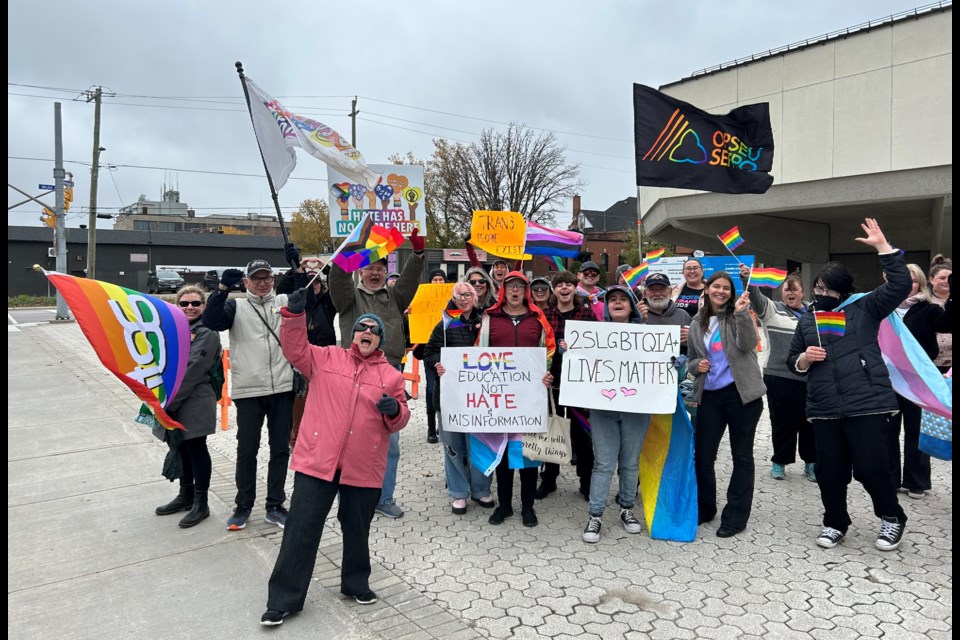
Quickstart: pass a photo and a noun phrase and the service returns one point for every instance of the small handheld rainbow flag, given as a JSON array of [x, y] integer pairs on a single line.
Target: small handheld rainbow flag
[[656, 254], [636, 275], [769, 277], [451, 319], [831, 323], [366, 244], [732, 239]]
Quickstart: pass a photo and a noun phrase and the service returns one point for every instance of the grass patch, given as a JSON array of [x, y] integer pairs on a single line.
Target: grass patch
[[24, 300]]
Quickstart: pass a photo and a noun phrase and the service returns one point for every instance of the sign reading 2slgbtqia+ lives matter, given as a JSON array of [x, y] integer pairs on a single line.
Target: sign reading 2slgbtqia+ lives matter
[[620, 367], [493, 390]]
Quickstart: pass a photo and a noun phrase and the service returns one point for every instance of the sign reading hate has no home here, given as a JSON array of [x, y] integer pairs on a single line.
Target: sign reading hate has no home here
[[620, 367], [493, 390]]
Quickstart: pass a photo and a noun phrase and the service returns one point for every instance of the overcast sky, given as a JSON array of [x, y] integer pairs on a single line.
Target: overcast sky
[[422, 70]]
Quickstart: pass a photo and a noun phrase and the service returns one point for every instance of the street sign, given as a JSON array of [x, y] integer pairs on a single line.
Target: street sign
[[46, 187], [68, 183]]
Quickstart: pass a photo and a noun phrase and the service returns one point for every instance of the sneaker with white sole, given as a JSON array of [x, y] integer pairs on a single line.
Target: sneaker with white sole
[[592, 533], [273, 617], [238, 520], [276, 515], [778, 471], [629, 521], [367, 597], [891, 533], [916, 494], [829, 537]]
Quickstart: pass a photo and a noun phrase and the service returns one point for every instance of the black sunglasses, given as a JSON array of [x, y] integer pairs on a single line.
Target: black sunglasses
[[372, 328], [476, 282], [191, 303], [540, 287]]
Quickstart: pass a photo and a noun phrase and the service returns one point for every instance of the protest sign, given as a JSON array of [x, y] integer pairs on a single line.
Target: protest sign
[[620, 367], [493, 390], [502, 233], [673, 267], [395, 203], [425, 310]]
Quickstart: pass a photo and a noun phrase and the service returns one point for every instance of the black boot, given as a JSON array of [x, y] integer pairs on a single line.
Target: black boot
[[432, 428], [199, 512], [183, 502]]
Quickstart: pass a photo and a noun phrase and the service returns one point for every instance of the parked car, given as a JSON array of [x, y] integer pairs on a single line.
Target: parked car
[[164, 281]]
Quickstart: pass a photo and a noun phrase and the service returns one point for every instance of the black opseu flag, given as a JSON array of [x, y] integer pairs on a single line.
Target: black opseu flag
[[681, 146]]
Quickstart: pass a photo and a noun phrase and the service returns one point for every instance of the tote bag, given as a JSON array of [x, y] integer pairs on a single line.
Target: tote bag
[[553, 445]]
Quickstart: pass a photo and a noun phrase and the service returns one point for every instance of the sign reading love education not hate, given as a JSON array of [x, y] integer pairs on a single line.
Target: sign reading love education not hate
[[426, 308], [493, 390], [395, 203], [620, 367]]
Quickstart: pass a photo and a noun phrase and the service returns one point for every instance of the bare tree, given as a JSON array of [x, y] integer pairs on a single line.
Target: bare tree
[[512, 170], [442, 231]]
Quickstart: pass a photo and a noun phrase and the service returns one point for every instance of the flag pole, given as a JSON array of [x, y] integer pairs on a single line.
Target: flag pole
[[730, 250], [815, 324], [273, 191]]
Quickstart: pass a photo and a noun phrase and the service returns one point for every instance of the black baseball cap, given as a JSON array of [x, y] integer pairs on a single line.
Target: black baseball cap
[[657, 278], [589, 265], [258, 265]]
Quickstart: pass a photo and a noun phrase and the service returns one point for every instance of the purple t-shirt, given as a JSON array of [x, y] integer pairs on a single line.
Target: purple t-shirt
[[719, 375]]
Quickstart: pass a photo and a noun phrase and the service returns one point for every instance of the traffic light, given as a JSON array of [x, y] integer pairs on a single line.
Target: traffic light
[[49, 218], [67, 198]]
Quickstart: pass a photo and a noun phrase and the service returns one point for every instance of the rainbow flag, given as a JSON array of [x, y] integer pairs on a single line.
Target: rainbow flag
[[580, 418], [544, 241], [143, 340], [732, 239], [831, 323], [656, 254], [912, 373], [636, 275], [668, 483], [555, 261], [366, 244], [451, 319], [770, 278]]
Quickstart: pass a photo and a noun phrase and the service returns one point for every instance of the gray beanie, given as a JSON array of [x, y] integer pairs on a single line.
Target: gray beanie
[[375, 318]]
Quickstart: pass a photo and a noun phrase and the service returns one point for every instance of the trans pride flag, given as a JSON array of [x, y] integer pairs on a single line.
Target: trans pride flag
[[668, 483], [912, 372], [141, 339], [366, 244]]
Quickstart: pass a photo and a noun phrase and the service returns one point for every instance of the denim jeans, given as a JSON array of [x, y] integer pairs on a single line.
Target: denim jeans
[[390, 477], [617, 440], [463, 479]]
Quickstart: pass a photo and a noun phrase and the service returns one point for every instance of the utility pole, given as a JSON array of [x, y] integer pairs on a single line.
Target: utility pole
[[353, 122], [60, 230], [95, 95]]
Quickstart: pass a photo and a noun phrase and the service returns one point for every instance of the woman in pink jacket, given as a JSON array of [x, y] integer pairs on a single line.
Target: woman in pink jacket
[[356, 400]]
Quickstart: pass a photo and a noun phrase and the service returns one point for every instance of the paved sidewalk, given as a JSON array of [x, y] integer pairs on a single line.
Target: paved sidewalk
[[89, 559]]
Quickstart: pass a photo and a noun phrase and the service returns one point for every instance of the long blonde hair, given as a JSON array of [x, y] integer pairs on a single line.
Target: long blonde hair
[[917, 273]]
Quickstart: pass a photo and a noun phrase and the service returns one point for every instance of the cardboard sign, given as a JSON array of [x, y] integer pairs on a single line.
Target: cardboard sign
[[426, 309], [620, 367], [493, 389], [502, 233], [397, 202]]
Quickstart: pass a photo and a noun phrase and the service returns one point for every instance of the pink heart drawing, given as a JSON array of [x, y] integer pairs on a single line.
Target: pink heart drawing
[[628, 392], [609, 394]]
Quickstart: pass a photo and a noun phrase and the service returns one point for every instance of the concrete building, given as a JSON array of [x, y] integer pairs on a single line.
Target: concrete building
[[169, 214], [863, 126]]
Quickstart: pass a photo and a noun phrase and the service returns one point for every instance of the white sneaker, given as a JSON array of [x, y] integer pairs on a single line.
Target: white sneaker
[[592, 533], [630, 522], [829, 537], [891, 533]]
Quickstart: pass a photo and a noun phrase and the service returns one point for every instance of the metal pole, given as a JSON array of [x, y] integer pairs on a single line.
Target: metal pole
[[60, 231], [94, 175], [353, 122]]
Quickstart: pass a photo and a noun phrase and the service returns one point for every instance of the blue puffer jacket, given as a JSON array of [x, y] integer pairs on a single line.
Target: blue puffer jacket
[[853, 380]]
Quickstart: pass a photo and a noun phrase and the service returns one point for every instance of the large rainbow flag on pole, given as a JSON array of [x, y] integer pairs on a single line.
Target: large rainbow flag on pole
[[366, 244], [143, 340], [668, 483]]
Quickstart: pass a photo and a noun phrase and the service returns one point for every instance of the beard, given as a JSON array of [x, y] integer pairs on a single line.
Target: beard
[[658, 305]]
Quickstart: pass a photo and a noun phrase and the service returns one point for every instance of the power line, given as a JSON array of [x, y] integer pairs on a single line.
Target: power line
[[307, 110], [137, 166]]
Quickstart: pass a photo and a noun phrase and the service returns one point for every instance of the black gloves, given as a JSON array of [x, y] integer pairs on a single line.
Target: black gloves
[[297, 301], [388, 406], [231, 278], [291, 254]]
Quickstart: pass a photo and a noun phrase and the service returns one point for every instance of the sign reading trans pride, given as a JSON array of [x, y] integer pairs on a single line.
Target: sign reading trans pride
[[396, 202]]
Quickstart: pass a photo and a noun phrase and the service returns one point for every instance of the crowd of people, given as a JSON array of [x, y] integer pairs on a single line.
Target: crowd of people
[[340, 408]]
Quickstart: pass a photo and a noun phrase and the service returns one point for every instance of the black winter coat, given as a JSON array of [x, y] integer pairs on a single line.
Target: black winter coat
[[320, 310], [924, 320], [465, 336], [853, 380]]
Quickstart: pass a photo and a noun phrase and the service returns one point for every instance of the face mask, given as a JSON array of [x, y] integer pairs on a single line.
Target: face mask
[[826, 303]]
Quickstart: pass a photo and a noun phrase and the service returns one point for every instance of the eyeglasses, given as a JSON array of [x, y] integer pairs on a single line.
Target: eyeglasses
[[691, 268], [465, 296], [261, 279], [375, 269], [191, 303], [821, 291], [372, 328], [515, 285]]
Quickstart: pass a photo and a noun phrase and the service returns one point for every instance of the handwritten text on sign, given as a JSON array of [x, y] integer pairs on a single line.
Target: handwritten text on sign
[[426, 309], [620, 367], [493, 390], [502, 233]]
